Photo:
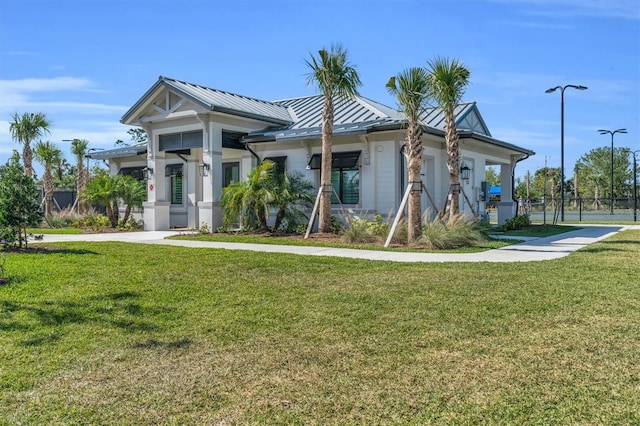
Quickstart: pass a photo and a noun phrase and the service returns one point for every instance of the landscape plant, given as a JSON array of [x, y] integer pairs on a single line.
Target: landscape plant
[[49, 156], [452, 232], [25, 129], [337, 79], [18, 207], [109, 191]]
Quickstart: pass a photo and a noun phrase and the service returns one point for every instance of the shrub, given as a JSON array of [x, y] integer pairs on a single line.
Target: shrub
[[358, 231], [458, 231], [204, 228], [518, 222]]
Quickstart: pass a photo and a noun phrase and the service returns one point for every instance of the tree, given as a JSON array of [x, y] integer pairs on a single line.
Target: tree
[[79, 149], [293, 192], [447, 81], [18, 207], [492, 176], [49, 156], [594, 173], [103, 190], [249, 200], [131, 192], [26, 128], [335, 77], [410, 89], [138, 136]]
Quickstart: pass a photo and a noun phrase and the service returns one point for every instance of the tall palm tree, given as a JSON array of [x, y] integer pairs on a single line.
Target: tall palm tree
[[24, 129], [410, 89], [447, 80], [335, 77], [79, 149], [49, 156]]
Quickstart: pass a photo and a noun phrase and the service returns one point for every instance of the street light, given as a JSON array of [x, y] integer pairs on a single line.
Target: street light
[[635, 185], [562, 89], [604, 132]]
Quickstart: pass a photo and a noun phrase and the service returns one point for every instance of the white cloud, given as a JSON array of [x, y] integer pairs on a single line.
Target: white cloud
[[627, 9]]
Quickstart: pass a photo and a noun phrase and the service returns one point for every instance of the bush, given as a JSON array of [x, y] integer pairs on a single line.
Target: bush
[[458, 231], [130, 225], [518, 222], [358, 231]]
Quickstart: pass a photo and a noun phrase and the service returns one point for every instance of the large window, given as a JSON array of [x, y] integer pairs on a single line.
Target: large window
[[280, 163], [174, 173], [345, 175], [135, 172], [180, 141], [230, 173]]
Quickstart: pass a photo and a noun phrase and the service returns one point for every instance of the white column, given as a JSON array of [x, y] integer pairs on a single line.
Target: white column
[[156, 209], [506, 205]]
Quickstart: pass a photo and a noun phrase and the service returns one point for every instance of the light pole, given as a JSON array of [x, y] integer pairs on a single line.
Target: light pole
[[635, 185], [604, 132], [562, 89]]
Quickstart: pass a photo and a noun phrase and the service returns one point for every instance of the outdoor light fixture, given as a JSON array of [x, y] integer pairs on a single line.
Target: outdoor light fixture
[[465, 171], [204, 169], [147, 172], [562, 89], [605, 132]]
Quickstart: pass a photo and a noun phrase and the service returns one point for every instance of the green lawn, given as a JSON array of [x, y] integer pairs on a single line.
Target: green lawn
[[539, 231], [115, 333]]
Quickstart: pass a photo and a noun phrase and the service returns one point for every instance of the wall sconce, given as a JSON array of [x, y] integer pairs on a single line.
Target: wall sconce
[[465, 171], [147, 172], [204, 169]]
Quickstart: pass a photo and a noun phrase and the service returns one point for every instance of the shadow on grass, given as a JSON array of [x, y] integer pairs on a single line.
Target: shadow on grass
[[39, 250], [157, 344], [116, 310]]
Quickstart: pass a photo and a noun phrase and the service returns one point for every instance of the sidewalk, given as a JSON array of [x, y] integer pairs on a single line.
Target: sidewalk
[[535, 249]]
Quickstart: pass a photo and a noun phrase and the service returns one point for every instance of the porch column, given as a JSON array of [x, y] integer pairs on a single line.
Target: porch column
[[156, 208], [209, 211], [506, 205]]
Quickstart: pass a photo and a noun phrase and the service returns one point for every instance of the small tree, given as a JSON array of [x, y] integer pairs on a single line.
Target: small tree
[[49, 156], [131, 193], [79, 149], [18, 207], [24, 129], [293, 193], [103, 190]]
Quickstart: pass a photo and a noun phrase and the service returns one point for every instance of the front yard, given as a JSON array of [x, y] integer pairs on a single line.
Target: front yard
[[104, 333]]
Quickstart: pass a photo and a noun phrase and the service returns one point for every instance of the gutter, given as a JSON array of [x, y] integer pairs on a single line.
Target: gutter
[[246, 145]]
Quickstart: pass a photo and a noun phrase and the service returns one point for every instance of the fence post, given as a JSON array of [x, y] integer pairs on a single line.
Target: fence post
[[580, 209]]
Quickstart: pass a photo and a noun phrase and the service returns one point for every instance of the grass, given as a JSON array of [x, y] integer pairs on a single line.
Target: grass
[[283, 240], [115, 333], [36, 231]]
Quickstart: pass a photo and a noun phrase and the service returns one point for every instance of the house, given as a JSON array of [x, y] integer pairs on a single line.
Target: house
[[201, 140]]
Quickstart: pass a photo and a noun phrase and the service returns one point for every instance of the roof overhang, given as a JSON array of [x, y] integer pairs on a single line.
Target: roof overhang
[[127, 151]]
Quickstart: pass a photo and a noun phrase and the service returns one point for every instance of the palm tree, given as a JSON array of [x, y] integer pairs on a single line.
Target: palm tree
[[334, 76], [293, 193], [131, 192], [447, 80], [49, 156], [24, 129], [410, 89], [79, 149], [250, 200], [104, 190]]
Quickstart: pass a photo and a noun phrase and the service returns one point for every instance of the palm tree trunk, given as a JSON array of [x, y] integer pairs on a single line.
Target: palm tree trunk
[[48, 193], [27, 157], [324, 224], [414, 165], [453, 161]]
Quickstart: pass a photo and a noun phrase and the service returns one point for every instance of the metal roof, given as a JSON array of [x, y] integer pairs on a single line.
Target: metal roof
[[127, 151], [216, 100]]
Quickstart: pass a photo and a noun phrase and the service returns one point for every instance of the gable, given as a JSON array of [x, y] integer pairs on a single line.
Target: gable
[[473, 121]]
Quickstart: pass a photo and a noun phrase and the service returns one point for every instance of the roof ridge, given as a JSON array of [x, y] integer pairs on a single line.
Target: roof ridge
[[164, 78]]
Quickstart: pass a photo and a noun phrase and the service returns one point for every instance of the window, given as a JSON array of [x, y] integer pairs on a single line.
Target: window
[[174, 173], [180, 141], [280, 163], [345, 175], [230, 173], [135, 172]]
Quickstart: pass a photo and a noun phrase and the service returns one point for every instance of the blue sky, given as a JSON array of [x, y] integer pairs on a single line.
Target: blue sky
[[84, 63]]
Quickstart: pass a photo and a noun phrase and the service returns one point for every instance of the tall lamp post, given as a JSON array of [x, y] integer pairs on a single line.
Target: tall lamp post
[[604, 132], [562, 89], [635, 185]]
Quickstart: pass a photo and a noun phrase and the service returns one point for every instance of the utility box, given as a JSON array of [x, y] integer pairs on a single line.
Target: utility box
[[484, 191]]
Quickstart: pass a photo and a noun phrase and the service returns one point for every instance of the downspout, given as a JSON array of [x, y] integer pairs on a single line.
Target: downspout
[[513, 182], [246, 145]]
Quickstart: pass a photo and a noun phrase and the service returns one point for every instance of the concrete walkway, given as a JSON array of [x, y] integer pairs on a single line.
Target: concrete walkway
[[534, 249]]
